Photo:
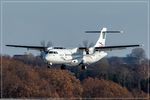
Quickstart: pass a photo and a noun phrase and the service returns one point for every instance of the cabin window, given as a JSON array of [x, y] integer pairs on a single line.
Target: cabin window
[[50, 52], [67, 54], [55, 52]]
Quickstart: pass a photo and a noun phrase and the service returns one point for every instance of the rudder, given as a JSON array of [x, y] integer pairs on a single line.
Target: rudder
[[102, 38]]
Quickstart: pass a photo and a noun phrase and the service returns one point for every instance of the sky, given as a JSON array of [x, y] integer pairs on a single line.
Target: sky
[[64, 23]]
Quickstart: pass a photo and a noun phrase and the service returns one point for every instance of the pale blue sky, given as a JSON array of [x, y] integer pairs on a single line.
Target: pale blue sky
[[64, 23]]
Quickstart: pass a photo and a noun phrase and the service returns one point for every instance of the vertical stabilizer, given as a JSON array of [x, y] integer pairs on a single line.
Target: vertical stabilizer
[[102, 38]]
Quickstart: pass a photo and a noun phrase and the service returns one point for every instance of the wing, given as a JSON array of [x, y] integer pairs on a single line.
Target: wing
[[119, 47], [110, 48], [41, 48]]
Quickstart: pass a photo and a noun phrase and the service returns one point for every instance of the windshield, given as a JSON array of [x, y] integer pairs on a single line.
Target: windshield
[[52, 52]]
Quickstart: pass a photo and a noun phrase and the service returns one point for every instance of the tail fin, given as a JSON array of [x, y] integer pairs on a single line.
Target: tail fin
[[101, 41]]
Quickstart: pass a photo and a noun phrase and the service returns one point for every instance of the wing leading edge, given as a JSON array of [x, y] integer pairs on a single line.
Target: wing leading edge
[[119, 47], [104, 48], [110, 48], [41, 48]]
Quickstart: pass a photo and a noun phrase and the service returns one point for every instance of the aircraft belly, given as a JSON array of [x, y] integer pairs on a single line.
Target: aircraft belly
[[60, 61], [63, 60], [55, 60], [94, 57]]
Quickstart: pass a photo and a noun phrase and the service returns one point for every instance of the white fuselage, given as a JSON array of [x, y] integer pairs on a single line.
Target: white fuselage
[[73, 57]]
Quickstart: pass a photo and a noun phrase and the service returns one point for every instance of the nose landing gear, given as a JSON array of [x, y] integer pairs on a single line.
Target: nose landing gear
[[49, 65]]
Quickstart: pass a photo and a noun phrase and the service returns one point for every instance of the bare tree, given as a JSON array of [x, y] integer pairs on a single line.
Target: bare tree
[[138, 53]]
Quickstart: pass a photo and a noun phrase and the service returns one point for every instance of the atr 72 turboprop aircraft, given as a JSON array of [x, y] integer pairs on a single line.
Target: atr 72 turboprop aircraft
[[82, 56]]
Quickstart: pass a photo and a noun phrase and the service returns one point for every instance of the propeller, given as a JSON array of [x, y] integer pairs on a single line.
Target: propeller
[[49, 44], [87, 44], [43, 43], [46, 45]]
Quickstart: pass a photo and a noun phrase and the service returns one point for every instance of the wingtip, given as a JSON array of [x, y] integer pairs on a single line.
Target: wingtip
[[8, 45], [141, 45], [121, 31]]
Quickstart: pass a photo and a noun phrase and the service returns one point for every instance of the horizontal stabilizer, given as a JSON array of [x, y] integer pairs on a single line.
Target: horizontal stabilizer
[[104, 31]]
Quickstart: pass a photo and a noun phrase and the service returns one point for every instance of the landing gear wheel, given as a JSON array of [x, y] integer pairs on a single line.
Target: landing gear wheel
[[48, 66], [83, 67], [63, 67]]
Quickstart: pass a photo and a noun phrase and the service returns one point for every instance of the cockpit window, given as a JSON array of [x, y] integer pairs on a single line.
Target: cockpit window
[[52, 52]]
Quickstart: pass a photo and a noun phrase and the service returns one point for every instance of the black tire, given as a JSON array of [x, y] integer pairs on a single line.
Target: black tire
[[83, 67], [48, 66], [63, 67]]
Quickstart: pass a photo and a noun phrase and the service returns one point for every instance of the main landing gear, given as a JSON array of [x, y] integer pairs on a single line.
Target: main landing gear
[[83, 67], [63, 67], [49, 65]]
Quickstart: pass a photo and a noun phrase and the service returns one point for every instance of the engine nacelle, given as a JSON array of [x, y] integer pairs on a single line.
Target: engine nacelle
[[76, 62]]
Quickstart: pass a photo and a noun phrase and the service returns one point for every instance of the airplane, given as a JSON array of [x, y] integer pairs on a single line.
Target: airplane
[[79, 56]]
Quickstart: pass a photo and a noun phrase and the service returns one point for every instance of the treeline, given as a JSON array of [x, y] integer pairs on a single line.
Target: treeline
[[27, 76]]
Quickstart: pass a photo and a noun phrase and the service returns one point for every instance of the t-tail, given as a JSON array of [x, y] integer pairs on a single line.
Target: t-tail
[[102, 37]]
